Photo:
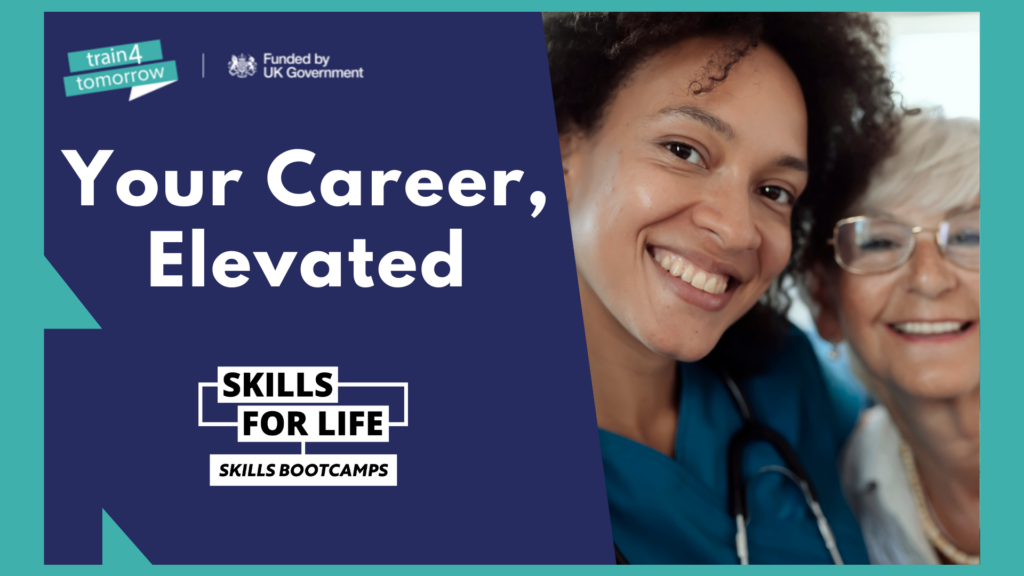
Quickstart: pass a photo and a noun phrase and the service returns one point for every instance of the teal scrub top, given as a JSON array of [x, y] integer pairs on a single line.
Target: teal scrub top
[[675, 510]]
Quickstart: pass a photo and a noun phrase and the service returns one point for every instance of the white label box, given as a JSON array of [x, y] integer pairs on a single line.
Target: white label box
[[339, 423], [303, 470]]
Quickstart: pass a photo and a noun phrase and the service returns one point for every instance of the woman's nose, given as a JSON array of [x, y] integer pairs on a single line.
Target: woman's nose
[[931, 274], [727, 213]]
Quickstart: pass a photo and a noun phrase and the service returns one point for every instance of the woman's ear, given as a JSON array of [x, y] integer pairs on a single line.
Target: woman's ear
[[569, 142], [822, 291]]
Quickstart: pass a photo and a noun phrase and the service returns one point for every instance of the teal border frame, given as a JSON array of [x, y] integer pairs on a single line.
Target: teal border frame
[[33, 297]]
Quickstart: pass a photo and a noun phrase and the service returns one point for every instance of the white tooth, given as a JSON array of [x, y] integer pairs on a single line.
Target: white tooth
[[677, 268], [688, 274], [666, 262], [712, 286], [723, 286], [699, 280], [927, 328]]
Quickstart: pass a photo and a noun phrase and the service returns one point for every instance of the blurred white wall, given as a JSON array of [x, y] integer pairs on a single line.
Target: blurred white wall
[[935, 59]]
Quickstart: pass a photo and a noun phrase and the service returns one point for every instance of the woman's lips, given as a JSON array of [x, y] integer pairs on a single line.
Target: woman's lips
[[932, 331], [684, 283], [689, 272]]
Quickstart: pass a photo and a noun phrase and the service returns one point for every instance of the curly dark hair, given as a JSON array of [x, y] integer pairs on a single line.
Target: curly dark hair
[[836, 57]]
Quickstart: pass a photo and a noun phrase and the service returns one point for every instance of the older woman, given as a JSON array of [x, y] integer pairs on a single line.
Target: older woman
[[901, 284], [690, 143]]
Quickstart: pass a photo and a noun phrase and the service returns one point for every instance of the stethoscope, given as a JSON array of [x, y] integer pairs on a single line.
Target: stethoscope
[[753, 431]]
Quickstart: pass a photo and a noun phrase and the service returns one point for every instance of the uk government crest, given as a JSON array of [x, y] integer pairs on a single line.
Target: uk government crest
[[242, 66]]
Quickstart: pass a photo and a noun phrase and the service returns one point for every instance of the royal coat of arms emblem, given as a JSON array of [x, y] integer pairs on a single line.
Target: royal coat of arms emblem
[[242, 66]]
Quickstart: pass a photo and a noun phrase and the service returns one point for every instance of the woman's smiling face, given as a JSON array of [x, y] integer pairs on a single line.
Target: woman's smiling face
[[680, 204], [918, 326]]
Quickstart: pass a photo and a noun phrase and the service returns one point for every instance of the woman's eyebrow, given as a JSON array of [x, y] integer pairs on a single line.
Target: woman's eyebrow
[[703, 116], [725, 130], [793, 162], [962, 209]]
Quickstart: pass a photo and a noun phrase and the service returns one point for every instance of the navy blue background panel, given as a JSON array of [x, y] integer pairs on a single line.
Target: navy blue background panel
[[500, 462]]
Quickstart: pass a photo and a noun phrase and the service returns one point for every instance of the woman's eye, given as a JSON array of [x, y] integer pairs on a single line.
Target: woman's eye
[[777, 194], [878, 245], [686, 152], [965, 238]]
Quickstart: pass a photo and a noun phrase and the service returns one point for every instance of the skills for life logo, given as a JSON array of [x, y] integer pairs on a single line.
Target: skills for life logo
[[141, 78], [299, 405], [242, 66]]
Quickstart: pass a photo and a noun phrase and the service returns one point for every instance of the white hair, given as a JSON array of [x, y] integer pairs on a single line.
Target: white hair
[[936, 165]]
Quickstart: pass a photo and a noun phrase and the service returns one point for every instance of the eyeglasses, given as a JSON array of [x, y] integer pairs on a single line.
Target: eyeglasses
[[872, 245]]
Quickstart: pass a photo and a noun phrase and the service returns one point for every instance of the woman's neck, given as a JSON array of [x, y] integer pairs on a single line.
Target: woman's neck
[[635, 392], [944, 437]]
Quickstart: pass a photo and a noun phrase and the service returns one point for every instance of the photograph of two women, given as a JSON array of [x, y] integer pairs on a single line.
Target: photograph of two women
[[776, 226]]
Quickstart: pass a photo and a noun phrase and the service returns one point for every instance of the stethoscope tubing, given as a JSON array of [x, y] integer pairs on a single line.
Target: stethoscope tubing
[[753, 431]]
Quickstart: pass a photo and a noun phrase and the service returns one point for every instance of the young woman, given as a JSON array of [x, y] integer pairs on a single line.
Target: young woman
[[692, 145], [901, 283]]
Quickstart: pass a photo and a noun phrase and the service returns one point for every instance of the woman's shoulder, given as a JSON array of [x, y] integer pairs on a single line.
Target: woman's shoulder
[[871, 455], [790, 390], [878, 491], [792, 362]]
